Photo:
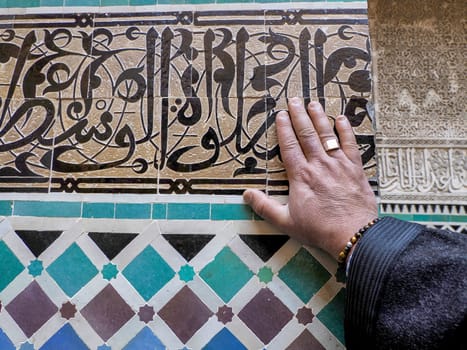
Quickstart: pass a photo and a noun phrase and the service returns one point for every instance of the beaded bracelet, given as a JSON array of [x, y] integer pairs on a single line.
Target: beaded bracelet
[[354, 239]]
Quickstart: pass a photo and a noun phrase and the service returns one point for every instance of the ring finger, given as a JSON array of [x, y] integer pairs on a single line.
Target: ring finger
[[329, 140]]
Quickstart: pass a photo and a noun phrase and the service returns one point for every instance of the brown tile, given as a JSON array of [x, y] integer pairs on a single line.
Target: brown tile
[[305, 340], [107, 312], [265, 315], [31, 309], [185, 314]]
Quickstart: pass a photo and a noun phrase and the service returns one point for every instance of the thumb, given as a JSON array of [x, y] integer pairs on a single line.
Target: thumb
[[268, 208]]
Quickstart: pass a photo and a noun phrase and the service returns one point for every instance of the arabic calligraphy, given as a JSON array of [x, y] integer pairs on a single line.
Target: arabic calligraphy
[[173, 103]]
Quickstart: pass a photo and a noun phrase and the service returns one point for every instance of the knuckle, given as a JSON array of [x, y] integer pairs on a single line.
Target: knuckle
[[288, 145], [306, 132]]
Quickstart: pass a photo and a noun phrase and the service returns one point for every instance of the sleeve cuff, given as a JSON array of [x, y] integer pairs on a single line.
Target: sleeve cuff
[[371, 261]]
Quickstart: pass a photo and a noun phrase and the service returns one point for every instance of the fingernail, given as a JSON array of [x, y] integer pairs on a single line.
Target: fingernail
[[314, 105], [341, 118], [247, 197], [282, 114], [296, 101]]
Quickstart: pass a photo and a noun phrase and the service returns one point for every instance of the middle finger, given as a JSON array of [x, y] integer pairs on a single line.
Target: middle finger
[[304, 129]]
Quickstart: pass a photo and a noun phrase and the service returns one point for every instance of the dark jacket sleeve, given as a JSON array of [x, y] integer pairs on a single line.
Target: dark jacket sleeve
[[407, 289]]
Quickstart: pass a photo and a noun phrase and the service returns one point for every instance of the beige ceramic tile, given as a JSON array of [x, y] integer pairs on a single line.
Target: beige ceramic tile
[[320, 57], [212, 142], [27, 138], [111, 141], [230, 61]]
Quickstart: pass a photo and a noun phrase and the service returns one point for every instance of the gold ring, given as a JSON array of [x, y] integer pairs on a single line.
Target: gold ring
[[331, 145]]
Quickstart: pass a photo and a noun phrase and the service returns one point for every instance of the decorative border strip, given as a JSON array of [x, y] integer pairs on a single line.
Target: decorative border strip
[[102, 3], [182, 211]]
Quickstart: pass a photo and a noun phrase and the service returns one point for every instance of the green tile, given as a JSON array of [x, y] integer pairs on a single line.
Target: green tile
[[133, 211], [10, 266], [81, 3], [23, 3], [143, 2], [405, 217], [98, 210], [304, 275], [3, 3], [458, 218], [188, 211], [200, 1], [431, 217], [231, 212], [72, 270], [232, 1], [114, 2], [6, 207], [172, 2], [332, 315], [226, 274], [47, 209], [148, 273], [159, 211], [52, 2]]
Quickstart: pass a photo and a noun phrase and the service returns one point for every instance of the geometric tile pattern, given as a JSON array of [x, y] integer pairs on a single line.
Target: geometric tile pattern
[[228, 299], [189, 97]]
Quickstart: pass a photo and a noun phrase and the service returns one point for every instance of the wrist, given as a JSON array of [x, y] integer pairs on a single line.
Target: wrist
[[347, 249]]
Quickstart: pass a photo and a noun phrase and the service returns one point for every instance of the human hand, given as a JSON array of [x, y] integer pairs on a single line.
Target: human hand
[[329, 195]]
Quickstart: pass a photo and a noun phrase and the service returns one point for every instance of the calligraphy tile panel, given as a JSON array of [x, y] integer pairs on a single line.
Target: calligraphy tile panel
[[170, 102]]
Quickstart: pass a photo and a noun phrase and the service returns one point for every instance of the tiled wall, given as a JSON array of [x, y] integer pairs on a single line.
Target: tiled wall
[[155, 250], [54, 3]]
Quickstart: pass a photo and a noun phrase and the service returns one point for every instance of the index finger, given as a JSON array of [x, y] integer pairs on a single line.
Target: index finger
[[291, 152]]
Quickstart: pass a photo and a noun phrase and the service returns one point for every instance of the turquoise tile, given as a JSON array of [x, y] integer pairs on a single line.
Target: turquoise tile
[[226, 274], [304, 275], [143, 2], [458, 218], [188, 211], [231, 212], [6, 207], [159, 211], [48, 209], [200, 1], [72, 270], [232, 1], [405, 217], [10, 266], [23, 3], [332, 315], [3, 3], [81, 3], [257, 217], [114, 2], [431, 217], [133, 211], [98, 210], [148, 273], [52, 2], [172, 2]]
